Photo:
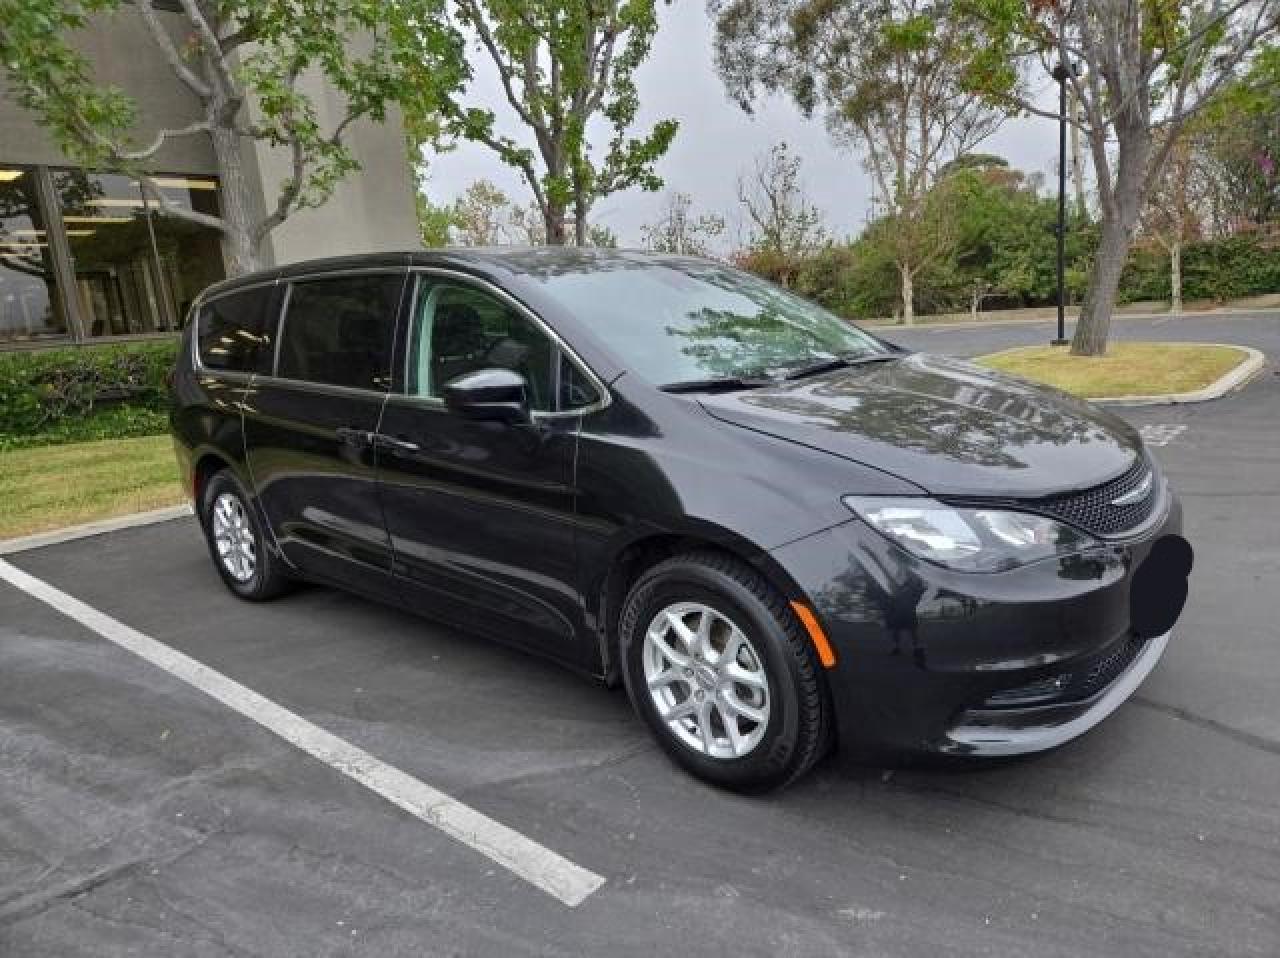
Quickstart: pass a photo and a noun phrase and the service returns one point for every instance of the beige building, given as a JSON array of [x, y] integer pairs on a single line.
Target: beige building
[[84, 258]]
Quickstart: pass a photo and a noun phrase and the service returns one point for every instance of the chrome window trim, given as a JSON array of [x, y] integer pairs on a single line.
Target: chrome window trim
[[306, 385], [606, 398], [284, 312]]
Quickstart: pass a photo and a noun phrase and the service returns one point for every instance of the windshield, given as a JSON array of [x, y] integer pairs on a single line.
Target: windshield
[[675, 321]]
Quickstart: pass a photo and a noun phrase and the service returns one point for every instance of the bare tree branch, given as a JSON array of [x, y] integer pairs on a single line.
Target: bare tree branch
[[165, 42]]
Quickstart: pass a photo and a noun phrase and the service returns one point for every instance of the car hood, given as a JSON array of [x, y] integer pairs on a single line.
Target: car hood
[[950, 427]]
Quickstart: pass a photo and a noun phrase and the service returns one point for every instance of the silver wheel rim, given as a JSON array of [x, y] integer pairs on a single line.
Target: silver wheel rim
[[233, 538], [706, 680]]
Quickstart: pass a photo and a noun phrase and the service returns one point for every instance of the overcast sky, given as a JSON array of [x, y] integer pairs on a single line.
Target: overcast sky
[[717, 140]]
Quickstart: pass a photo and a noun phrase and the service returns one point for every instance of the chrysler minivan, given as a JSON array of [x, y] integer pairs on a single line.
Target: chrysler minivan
[[779, 532]]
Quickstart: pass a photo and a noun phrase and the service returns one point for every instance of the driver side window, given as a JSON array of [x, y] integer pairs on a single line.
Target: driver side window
[[458, 329]]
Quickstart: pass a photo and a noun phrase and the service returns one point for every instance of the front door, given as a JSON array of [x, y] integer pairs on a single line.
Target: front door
[[481, 513], [309, 428]]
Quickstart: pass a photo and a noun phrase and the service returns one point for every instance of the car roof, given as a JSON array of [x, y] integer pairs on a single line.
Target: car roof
[[518, 270], [513, 261]]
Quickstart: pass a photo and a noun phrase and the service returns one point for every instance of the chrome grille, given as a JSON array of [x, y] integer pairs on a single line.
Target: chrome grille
[[1092, 510]]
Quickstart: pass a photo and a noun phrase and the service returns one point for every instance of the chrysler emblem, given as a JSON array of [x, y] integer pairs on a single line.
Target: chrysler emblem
[[1137, 493]]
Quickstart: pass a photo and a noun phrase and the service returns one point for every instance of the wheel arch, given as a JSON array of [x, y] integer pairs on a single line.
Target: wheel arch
[[641, 551]]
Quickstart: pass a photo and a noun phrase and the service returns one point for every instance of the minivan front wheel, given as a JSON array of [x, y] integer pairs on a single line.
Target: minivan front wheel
[[236, 543], [717, 666]]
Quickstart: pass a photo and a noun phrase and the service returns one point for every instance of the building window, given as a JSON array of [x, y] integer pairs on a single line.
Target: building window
[[136, 271], [29, 309]]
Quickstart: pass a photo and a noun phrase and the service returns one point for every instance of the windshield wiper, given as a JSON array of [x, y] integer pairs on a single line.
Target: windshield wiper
[[839, 362], [716, 384]]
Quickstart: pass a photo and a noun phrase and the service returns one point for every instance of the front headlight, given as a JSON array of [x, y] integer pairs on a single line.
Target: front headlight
[[971, 540]]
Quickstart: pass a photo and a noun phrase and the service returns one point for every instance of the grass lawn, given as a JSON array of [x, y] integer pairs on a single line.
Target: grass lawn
[[47, 487], [1128, 369]]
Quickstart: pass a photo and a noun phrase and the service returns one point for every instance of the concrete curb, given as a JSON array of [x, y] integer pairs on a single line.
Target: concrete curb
[[1254, 313], [70, 533], [1253, 362]]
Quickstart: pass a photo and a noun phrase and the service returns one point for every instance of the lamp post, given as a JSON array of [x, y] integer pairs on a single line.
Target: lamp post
[[1060, 74]]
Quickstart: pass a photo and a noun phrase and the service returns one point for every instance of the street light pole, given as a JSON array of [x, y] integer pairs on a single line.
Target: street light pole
[[1060, 74]]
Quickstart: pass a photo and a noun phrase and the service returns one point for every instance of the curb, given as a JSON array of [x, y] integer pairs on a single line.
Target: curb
[[70, 533], [1232, 380], [1253, 313]]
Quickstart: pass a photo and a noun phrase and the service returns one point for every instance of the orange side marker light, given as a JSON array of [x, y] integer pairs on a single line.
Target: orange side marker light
[[826, 654]]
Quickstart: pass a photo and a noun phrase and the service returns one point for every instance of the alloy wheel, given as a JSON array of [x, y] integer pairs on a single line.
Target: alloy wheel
[[706, 680], [233, 537]]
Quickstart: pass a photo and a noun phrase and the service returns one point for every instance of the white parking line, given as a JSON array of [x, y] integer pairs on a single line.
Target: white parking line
[[537, 865], [1161, 433]]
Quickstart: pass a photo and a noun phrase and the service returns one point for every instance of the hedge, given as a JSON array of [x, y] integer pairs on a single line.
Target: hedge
[[1218, 270], [78, 394]]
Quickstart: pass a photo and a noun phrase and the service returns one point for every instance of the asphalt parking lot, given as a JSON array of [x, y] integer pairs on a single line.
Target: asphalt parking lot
[[138, 816]]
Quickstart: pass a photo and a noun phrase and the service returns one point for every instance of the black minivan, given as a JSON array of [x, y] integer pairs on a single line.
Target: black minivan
[[778, 531]]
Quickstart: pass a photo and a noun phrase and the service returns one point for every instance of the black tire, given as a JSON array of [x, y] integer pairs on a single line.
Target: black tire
[[797, 732], [269, 578]]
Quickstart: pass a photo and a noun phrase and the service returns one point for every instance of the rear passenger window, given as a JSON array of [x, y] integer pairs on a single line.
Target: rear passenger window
[[339, 331], [236, 332]]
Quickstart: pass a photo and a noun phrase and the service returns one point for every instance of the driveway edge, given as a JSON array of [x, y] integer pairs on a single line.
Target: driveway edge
[[97, 528]]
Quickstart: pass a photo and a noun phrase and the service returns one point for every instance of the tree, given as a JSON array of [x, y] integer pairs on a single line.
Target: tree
[[562, 64], [678, 230], [482, 215], [601, 236], [435, 223], [528, 226], [1140, 72], [784, 224], [1238, 143], [889, 76], [242, 61], [1172, 215]]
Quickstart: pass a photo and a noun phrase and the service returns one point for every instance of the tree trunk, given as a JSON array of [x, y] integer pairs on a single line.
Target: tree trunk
[[908, 294], [1175, 278], [238, 247], [1077, 164], [580, 222], [1094, 324], [975, 304], [553, 220], [1119, 220]]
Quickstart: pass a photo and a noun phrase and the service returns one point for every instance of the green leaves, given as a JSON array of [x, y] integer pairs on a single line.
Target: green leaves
[[233, 55], [65, 395], [564, 64], [54, 80]]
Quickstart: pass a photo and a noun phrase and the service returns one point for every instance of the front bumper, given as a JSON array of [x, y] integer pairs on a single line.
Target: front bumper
[[933, 660]]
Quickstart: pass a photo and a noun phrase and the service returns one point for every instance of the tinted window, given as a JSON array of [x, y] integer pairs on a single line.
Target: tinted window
[[458, 330], [339, 331], [675, 320], [236, 331]]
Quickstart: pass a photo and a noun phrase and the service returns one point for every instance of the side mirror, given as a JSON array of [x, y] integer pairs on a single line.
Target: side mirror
[[499, 395]]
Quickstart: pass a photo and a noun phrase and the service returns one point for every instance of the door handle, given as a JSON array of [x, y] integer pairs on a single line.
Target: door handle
[[392, 444], [357, 438]]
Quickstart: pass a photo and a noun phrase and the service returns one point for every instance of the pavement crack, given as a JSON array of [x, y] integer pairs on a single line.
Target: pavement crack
[[30, 905], [22, 907], [1212, 725], [593, 765]]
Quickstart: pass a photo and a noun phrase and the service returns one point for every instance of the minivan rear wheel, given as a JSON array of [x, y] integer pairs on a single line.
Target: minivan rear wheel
[[718, 668], [236, 543]]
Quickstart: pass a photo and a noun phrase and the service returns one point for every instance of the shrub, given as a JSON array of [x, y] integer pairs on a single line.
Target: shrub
[[91, 392]]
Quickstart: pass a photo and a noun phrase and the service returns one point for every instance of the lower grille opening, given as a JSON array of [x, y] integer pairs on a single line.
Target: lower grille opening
[[1084, 680]]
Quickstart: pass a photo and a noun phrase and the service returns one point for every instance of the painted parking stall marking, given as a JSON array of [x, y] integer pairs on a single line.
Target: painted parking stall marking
[[1161, 434], [553, 874]]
